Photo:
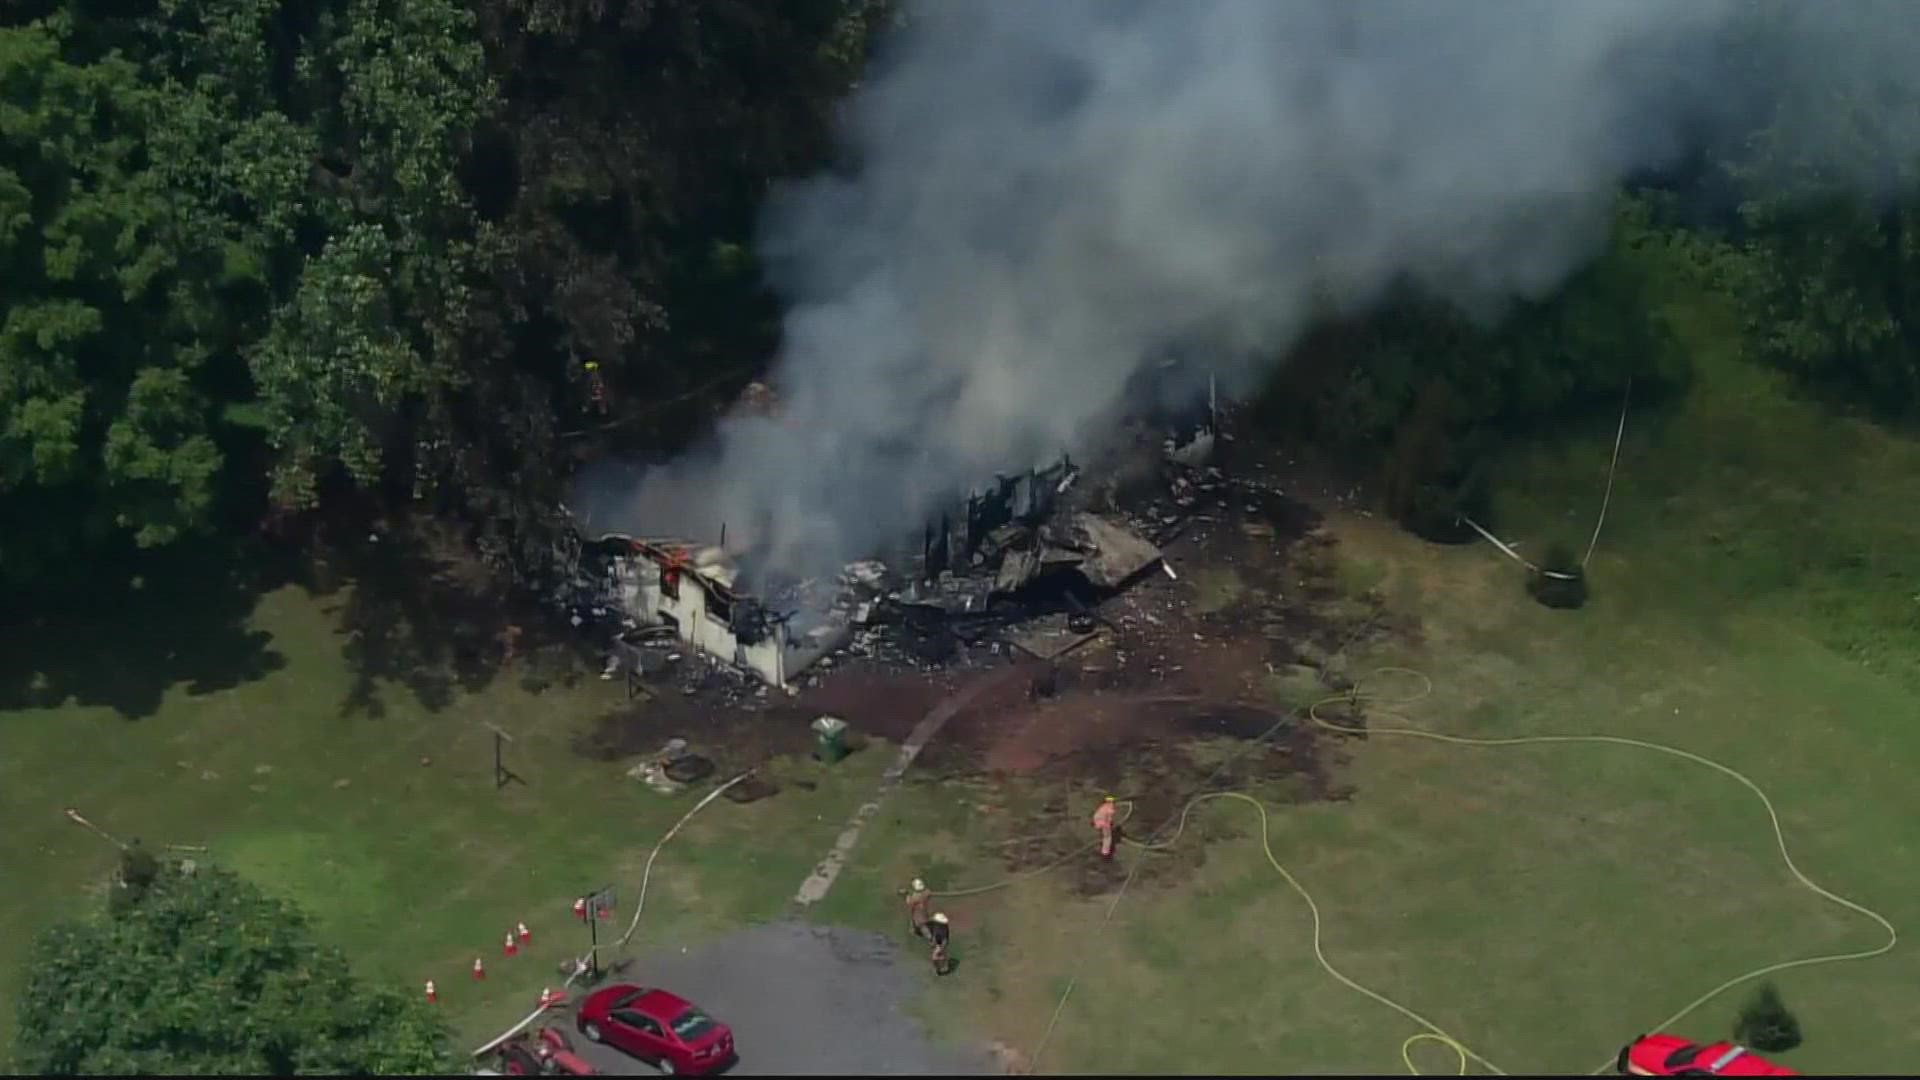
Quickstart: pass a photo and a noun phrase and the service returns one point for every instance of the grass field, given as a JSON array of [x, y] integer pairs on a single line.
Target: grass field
[[1756, 600], [412, 869]]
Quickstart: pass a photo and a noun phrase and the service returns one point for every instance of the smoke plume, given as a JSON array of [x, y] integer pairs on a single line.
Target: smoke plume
[[1044, 195]]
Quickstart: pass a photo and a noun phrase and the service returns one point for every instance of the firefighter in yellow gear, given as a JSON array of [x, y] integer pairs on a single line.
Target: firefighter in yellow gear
[[596, 387]]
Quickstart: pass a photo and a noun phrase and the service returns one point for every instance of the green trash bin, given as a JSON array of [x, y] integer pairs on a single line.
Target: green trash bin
[[832, 739]]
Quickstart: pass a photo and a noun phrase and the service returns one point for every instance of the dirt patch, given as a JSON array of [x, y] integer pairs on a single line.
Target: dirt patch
[[1159, 780], [1075, 727], [1182, 665], [1176, 697], [873, 698], [753, 789], [733, 739]]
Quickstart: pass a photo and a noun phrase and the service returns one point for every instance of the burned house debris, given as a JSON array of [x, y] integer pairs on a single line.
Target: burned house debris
[[688, 591], [1030, 545]]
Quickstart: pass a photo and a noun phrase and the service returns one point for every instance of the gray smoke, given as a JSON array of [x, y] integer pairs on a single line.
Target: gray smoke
[[1047, 194]]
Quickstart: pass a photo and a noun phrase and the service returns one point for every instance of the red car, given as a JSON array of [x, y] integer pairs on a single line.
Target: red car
[[662, 1029], [1671, 1055]]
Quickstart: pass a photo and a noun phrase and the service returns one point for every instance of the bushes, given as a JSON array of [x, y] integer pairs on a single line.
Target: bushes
[[1435, 509], [1560, 582], [206, 975], [138, 871], [1765, 1023], [1431, 478], [138, 868]]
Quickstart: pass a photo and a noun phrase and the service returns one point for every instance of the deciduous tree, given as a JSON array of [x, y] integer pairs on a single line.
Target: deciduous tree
[[204, 974], [111, 331]]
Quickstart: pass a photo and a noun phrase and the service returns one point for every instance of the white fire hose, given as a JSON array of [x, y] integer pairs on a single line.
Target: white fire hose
[[580, 964]]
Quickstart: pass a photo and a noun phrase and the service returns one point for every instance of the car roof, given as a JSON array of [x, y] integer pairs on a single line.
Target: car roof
[[660, 1004]]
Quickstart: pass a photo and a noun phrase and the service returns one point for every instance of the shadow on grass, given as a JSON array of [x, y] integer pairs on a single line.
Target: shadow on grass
[[412, 608], [121, 642], [417, 611]]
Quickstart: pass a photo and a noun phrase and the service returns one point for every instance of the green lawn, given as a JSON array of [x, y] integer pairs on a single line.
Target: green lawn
[[412, 869], [1756, 599]]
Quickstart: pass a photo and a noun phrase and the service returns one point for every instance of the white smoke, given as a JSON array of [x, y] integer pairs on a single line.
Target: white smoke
[[1047, 192]]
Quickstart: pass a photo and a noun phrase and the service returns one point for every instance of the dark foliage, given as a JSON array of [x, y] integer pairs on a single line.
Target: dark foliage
[[1765, 1022], [1561, 582]]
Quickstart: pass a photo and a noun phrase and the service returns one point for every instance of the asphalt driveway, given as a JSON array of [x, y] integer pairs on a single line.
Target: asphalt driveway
[[803, 1000]]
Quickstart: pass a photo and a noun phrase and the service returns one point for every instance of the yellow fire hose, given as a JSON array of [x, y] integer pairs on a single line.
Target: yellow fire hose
[[1433, 1032]]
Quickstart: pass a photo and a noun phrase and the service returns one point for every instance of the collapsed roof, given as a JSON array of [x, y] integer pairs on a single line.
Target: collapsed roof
[[992, 555]]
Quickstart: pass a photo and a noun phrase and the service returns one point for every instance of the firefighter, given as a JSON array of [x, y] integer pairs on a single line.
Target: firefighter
[[1103, 823], [919, 902], [596, 387], [937, 930]]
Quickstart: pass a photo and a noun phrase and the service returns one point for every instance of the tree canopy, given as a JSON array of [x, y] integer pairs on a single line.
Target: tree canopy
[[257, 246], [383, 237], [203, 973], [113, 328]]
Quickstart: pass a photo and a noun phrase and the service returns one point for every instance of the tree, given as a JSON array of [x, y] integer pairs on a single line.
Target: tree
[[111, 329], [1421, 394], [624, 217], [1830, 219], [228, 211], [382, 236], [203, 973], [1765, 1024], [1431, 481], [366, 351]]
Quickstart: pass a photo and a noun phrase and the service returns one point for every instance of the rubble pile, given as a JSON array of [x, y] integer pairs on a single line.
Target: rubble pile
[[1028, 559], [1025, 567]]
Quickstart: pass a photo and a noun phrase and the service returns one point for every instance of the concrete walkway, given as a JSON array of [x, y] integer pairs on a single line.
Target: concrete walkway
[[820, 882]]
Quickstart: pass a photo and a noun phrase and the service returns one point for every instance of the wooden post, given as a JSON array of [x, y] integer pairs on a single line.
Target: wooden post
[[501, 774]]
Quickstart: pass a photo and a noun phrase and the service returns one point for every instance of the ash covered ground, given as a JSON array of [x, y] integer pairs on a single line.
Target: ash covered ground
[[1121, 686]]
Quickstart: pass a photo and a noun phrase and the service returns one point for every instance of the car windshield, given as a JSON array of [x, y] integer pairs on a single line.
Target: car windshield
[[627, 999], [1683, 1056], [692, 1024]]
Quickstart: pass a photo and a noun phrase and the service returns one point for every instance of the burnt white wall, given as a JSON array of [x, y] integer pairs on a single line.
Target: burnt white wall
[[646, 602]]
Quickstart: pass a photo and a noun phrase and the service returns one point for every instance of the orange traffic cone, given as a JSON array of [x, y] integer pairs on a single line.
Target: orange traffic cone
[[546, 996], [432, 994], [580, 909], [603, 911], [479, 969], [526, 935], [511, 947]]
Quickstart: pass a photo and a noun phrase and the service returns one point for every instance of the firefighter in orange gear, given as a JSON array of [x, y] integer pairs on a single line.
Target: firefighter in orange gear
[[1103, 821], [919, 904]]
